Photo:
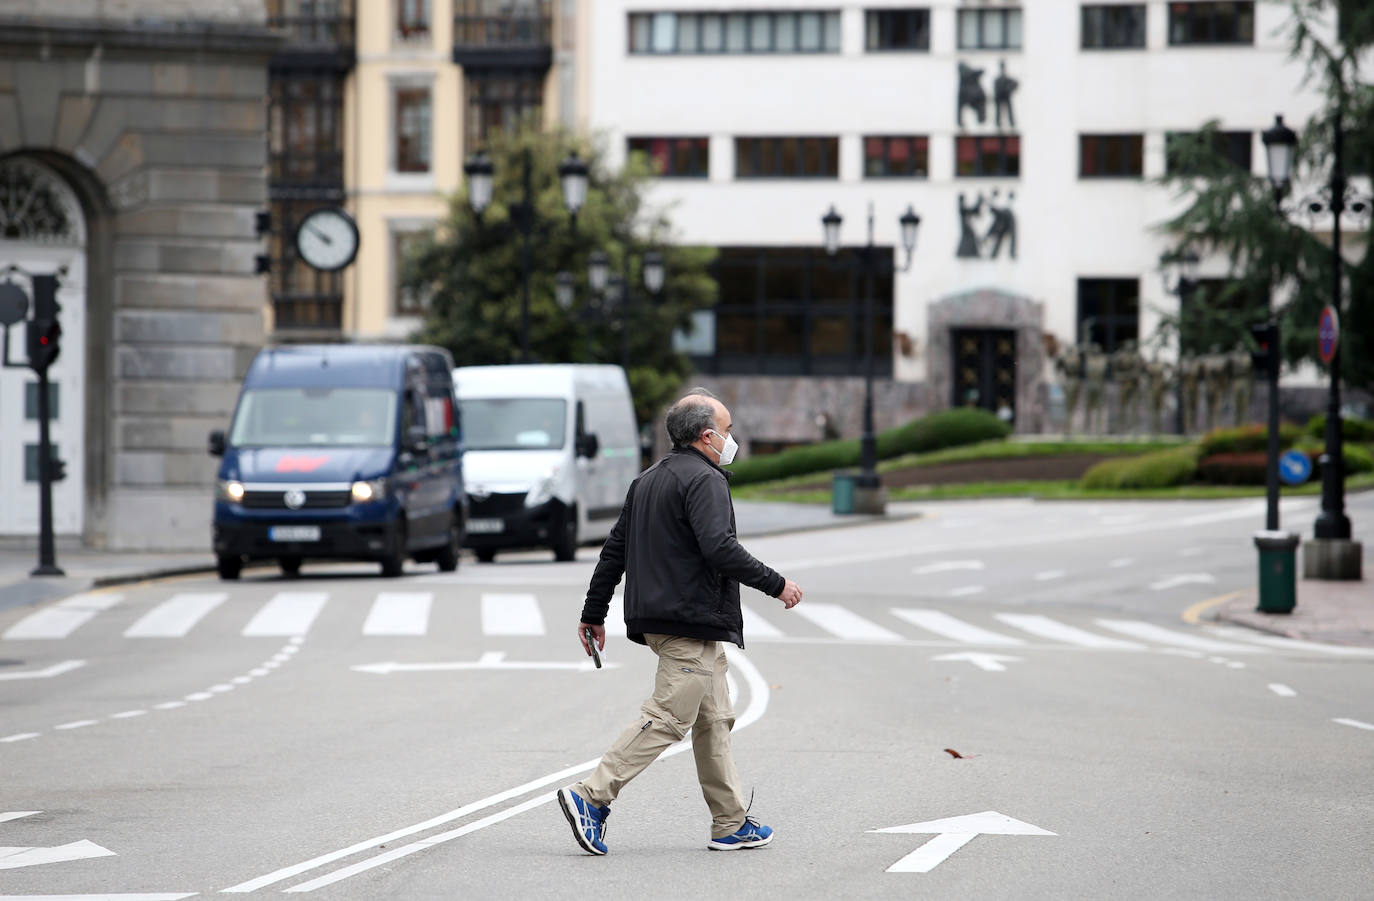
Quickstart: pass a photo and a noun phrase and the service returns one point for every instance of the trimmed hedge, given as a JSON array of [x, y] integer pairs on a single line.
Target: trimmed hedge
[[1160, 469], [1246, 438], [1352, 428], [947, 428], [1252, 467]]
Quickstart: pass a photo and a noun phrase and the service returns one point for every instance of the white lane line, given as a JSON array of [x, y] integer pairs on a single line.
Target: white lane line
[[19, 736], [950, 627], [966, 590], [947, 566], [399, 613], [843, 622], [64, 617], [1356, 723], [8, 815], [48, 672], [1151, 632], [758, 704], [174, 617], [511, 614], [1183, 579], [176, 896], [287, 613], [1282, 690], [755, 626], [127, 714], [1045, 627], [1121, 562], [77, 724], [1291, 644], [1049, 575]]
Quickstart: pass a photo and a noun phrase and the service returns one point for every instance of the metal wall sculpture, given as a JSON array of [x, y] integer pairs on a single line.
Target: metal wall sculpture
[[1001, 230]]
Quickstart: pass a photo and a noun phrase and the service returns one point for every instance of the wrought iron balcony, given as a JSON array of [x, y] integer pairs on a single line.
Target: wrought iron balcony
[[506, 33], [320, 33]]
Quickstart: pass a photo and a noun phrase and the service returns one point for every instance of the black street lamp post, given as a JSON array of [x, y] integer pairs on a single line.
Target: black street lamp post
[[1180, 279], [613, 291], [872, 264], [573, 176]]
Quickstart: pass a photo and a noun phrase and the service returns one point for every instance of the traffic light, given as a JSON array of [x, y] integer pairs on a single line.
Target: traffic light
[[57, 469], [44, 335], [1265, 356]]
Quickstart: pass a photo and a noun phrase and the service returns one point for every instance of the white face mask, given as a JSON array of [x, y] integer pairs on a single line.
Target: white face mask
[[727, 450]]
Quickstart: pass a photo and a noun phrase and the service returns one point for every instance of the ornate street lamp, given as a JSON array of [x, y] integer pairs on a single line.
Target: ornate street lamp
[[1179, 272]]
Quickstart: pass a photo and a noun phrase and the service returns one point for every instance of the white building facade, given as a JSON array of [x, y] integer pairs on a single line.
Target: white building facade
[[1035, 180]]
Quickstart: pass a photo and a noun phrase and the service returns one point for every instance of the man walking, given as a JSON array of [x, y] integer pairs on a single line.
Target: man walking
[[675, 543]]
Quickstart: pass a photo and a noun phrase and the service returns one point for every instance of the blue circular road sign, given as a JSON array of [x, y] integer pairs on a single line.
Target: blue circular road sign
[[1295, 467]]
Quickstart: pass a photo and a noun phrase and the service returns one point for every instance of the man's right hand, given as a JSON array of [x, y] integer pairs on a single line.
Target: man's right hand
[[598, 635], [791, 593]]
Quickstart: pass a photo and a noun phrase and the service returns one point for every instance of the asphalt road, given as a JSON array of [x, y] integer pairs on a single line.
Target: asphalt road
[[350, 737]]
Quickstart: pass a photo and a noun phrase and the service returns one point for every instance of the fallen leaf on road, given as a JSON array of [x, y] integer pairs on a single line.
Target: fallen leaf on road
[[957, 756]]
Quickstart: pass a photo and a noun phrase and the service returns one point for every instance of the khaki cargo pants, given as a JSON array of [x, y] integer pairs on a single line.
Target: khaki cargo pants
[[690, 694]]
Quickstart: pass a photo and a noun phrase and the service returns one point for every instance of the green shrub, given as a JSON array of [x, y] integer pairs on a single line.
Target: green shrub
[[1357, 459], [1353, 428], [1244, 468], [1246, 438], [1160, 469], [948, 428]]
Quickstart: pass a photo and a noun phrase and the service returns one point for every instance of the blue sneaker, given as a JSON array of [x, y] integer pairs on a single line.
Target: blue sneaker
[[752, 834], [588, 821]]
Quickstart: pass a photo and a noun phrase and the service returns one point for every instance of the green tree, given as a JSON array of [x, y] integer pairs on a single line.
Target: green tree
[[1231, 212], [470, 271]]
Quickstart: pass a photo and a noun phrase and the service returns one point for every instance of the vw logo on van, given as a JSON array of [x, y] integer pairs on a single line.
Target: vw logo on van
[[294, 498]]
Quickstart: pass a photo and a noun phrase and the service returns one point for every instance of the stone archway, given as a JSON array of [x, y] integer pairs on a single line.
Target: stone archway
[[998, 326], [43, 231]]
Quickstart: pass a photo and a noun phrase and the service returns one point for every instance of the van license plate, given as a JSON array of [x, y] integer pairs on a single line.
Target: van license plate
[[486, 526], [294, 533]]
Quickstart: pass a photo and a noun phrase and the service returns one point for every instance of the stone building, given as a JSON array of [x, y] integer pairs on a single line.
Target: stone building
[[133, 138]]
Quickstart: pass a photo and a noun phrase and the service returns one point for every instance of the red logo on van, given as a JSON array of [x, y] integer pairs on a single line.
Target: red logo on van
[[300, 464]]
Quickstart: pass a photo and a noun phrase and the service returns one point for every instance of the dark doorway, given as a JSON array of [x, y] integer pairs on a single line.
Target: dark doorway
[[985, 370]]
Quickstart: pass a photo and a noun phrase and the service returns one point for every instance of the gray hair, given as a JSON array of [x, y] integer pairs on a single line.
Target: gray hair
[[689, 416]]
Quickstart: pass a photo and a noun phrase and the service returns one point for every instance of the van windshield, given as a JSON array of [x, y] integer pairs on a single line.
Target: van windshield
[[521, 423], [328, 417]]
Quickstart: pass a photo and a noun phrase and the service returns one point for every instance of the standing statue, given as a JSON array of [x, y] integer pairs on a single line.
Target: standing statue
[[1242, 383], [1217, 380], [971, 94], [968, 239], [1069, 364], [1003, 86], [1158, 379], [1003, 225], [1095, 373], [1190, 375], [1126, 368]]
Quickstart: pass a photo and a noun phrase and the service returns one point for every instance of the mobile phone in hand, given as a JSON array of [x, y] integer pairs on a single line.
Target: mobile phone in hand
[[591, 646]]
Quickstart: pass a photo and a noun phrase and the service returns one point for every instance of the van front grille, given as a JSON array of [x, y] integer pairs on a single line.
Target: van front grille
[[314, 500], [495, 505]]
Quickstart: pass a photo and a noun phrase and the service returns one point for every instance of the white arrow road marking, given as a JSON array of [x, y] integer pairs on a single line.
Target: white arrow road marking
[[489, 660], [953, 833], [947, 566], [11, 858], [991, 663], [56, 669], [1184, 579]]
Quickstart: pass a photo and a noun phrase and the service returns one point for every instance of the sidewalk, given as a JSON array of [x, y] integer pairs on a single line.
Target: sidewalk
[[1330, 612]]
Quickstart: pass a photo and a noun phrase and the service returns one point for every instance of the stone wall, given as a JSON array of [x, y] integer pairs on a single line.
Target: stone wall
[[162, 131]]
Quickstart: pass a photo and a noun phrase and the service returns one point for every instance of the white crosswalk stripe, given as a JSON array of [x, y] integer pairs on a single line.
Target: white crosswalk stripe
[[1160, 635], [399, 613], [844, 623], [1290, 644], [755, 626], [288, 613], [1044, 627], [951, 627], [64, 617], [512, 614], [176, 616]]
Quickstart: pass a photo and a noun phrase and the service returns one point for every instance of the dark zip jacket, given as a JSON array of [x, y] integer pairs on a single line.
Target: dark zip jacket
[[675, 543]]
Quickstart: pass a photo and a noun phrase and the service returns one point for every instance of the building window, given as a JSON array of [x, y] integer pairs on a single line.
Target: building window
[[1235, 147], [412, 151], [990, 29], [1211, 23], [794, 311], [406, 301], [992, 155], [896, 157], [787, 157], [412, 21], [896, 29], [1108, 312], [1111, 156], [675, 157], [306, 142], [735, 32], [500, 101], [502, 24], [1113, 27], [31, 401]]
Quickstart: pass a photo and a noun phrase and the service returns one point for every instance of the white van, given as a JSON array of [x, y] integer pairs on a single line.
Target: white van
[[549, 452]]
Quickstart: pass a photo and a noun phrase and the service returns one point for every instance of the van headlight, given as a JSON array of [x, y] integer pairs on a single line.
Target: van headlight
[[366, 492], [543, 490], [229, 490]]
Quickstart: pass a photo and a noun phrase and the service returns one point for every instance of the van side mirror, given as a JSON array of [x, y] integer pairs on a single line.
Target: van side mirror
[[588, 445], [216, 443], [417, 439]]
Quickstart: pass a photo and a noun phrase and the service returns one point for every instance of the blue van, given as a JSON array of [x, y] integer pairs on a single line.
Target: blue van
[[342, 451]]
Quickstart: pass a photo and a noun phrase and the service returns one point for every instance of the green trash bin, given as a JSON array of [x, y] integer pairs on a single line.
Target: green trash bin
[[842, 493], [1278, 572]]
